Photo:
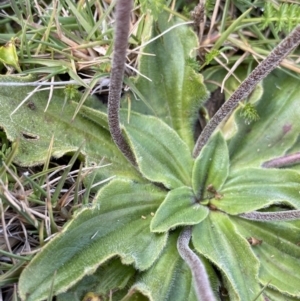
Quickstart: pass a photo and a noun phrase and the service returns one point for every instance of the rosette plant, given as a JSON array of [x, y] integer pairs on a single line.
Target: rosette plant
[[213, 218]]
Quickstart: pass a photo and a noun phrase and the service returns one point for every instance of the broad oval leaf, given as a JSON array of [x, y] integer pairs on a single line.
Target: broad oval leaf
[[278, 252], [275, 133], [175, 92], [117, 225], [180, 207], [162, 156], [277, 129], [251, 189], [111, 276], [35, 127], [216, 238], [211, 167]]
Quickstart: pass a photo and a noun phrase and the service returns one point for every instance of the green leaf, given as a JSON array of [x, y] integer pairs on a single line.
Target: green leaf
[[211, 55], [217, 239], [117, 225], [160, 153], [211, 167], [35, 128], [175, 92], [169, 278], [276, 130], [277, 296], [156, 6], [251, 189], [112, 276], [279, 252], [180, 207]]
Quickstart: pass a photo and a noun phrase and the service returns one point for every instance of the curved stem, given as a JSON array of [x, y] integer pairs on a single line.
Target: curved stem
[[123, 11], [288, 215], [258, 74], [203, 289], [282, 161]]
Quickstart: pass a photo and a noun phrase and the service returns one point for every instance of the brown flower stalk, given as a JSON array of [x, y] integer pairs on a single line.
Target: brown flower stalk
[[123, 11], [288, 215], [202, 286], [283, 161]]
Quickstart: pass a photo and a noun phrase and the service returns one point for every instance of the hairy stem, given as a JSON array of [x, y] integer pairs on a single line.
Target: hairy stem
[[272, 216], [123, 11], [258, 74], [203, 289], [282, 161]]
